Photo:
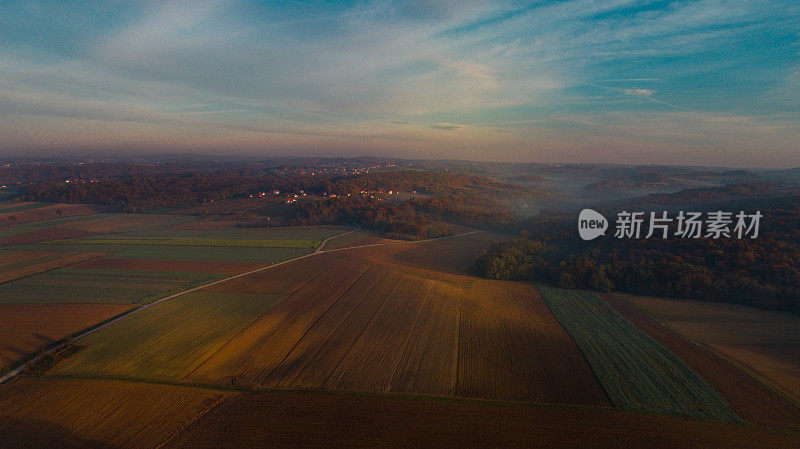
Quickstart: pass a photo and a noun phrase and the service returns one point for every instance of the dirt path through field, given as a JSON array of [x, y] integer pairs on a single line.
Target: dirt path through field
[[318, 250]]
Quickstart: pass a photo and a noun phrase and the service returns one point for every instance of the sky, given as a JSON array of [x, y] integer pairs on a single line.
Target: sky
[[702, 82]]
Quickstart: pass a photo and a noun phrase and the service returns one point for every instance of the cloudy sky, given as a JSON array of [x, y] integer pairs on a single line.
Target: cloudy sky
[[679, 82]]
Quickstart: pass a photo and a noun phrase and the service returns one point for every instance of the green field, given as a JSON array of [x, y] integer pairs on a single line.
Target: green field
[[315, 233], [636, 371], [168, 340], [75, 285], [233, 243]]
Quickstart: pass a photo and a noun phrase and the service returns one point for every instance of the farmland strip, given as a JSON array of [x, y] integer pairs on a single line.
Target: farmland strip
[[181, 266], [252, 243], [259, 348], [369, 364], [327, 359], [169, 340], [430, 359], [636, 371], [72, 413], [18, 273], [304, 352], [511, 347]]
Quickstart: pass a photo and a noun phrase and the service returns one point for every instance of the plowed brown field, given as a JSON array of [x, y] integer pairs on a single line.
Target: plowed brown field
[[283, 279], [513, 348], [355, 327], [260, 348], [25, 328], [446, 260], [43, 235], [47, 213], [764, 342], [71, 413]]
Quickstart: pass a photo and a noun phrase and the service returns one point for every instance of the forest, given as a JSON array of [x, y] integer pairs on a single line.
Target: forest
[[762, 272]]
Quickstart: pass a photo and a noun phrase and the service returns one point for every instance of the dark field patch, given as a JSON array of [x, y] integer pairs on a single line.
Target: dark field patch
[[25, 328], [282, 420]]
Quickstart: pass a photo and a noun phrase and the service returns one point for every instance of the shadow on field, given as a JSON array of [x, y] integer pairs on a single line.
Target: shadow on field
[[37, 434]]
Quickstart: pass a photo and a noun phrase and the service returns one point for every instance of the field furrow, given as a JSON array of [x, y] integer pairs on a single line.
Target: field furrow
[[74, 413], [249, 357], [430, 360], [168, 340], [319, 420], [304, 352], [370, 363], [512, 348], [325, 361], [284, 279]]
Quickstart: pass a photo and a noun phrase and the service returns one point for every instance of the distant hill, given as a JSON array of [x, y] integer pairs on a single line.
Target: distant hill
[[670, 178], [719, 194], [791, 173], [644, 181]]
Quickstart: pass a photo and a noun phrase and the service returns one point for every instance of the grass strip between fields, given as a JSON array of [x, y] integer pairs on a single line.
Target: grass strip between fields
[[637, 372]]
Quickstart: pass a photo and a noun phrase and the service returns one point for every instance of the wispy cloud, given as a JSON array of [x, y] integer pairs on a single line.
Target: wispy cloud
[[645, 94], [639, 92], [447, 126]]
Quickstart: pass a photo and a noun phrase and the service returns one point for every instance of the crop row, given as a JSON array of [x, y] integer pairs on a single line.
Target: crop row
[[170, 339], [636, 371]]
